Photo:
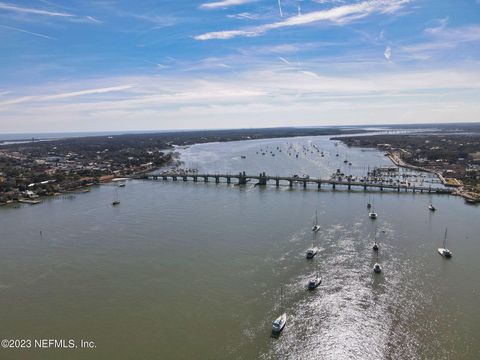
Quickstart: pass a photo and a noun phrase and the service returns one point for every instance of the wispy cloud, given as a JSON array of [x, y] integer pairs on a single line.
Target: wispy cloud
[[65, 95], [339, 15], [26, 10], [444, 38], [87, 92], [27, 32], [224, 4]]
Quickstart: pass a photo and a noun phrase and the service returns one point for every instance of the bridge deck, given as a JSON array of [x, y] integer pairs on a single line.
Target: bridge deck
[[263, 179]]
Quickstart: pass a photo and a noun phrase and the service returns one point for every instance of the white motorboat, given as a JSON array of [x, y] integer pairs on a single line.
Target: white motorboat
[[431, 207], [443, 250], [279, 323], [313, 283], [377, 268], [372, 215]]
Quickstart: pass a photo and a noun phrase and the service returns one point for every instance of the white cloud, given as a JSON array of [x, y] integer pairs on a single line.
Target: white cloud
[[224, 4], [338, 15], [25, 10], [388, 53]]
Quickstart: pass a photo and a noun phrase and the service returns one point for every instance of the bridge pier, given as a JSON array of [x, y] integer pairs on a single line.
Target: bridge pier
[[205, 178], [398, 188], [242, 178], [277, 182], [319, 185], [174, 178], [217, 179], [262, 181], [349, 186], [333, 186], [304, 184], [290, 183], [195, 179], [155, 177], [164, 178], [229, 179], [184, 178], [365, 187], [381, 188]]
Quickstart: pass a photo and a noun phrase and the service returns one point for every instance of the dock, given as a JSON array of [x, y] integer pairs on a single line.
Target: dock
[[263, 179]]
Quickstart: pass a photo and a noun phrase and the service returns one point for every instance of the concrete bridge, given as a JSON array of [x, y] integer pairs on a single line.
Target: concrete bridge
[[263, 179]]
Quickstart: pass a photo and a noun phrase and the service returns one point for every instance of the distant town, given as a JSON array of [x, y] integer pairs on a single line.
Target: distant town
[[453, 155], [33, 168]]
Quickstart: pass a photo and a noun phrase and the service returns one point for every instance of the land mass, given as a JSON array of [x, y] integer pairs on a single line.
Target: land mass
[[451, 154], [30, 169]]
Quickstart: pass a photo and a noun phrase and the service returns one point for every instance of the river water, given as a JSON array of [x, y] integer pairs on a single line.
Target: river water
[[183, 270]]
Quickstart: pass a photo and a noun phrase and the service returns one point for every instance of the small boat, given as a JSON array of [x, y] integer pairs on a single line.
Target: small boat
[[369, 205], [345, 161], [372, 215], [115, 201], [443, 250], [377, 268], [312, 251], [121, 185], [431, 207], [315, 226], [244, 157], [313, 283], [279, 324], [375, 246]]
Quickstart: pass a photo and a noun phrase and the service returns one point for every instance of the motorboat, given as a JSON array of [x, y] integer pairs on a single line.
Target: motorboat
[[443, 250], [279, 323], [115, 202], [311, 252], [372, 215], [313, 283], [377, 268], [431, 207]]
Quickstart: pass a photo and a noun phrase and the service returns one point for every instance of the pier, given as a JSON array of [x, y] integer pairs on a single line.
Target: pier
[[263, 179]]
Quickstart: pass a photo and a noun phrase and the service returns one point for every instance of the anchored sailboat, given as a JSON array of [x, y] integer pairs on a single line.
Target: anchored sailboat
[[375, 244], [315, 226], [115, 201], [443, 250], [312, 251]]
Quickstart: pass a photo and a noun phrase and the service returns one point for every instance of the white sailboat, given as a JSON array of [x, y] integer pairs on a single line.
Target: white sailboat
[[315, 226], [443, 250], [312, 251], [375, 244], [115, 201], [279, 323]]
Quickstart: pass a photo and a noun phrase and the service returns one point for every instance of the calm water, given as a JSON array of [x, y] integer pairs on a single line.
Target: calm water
[[183, 270]]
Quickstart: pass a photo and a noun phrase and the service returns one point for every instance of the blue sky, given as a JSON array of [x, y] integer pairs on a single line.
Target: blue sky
[[84, 65]]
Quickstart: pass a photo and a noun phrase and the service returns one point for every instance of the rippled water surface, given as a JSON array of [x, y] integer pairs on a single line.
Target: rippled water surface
[[182, 270]]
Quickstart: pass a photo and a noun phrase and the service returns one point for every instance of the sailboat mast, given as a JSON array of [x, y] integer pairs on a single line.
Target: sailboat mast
[[445, 239]]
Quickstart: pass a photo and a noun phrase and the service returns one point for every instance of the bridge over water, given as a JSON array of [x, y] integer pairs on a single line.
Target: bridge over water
[[263, 179]]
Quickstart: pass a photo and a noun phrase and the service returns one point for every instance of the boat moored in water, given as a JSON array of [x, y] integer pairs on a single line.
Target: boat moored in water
[[443, 250], [314, 283], [279, 323]]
